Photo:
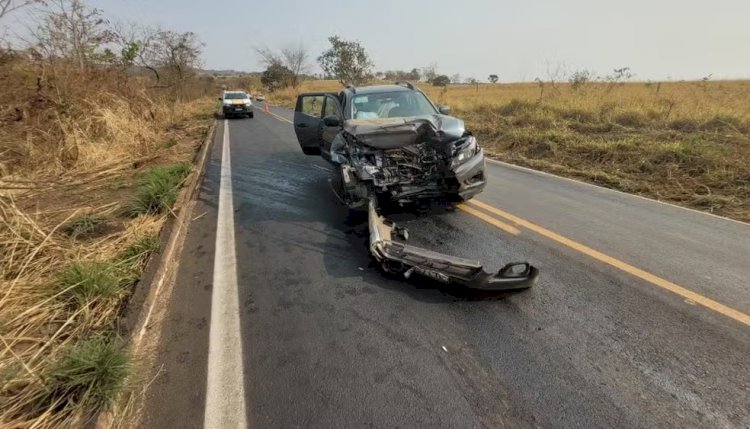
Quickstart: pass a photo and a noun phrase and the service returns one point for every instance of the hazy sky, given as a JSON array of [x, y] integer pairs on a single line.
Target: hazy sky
[[516, 39]]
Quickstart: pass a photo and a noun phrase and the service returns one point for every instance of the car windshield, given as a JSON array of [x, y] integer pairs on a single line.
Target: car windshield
[[235, 96], [394, 104]]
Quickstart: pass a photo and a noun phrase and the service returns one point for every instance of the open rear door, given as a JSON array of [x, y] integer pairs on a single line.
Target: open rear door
[[308, 121]]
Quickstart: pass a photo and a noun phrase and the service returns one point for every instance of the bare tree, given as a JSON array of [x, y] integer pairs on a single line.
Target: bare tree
[[456, 78], [268, 56], [171, 57], [70, 30], [8, 6], [429, 73], [177, 55], [136, 43], [296, 58]]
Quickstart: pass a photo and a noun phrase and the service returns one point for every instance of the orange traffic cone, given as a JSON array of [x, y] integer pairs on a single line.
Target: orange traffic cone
[[265, 109]]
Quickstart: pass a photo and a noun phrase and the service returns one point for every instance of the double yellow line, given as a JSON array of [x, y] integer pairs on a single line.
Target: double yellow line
[[281, 118], [512, 224], [692, 297]]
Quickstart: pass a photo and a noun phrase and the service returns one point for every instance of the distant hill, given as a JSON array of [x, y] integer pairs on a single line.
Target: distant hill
[[229, 72]]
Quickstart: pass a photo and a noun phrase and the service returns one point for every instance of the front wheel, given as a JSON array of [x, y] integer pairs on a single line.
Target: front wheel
[[251, 115]]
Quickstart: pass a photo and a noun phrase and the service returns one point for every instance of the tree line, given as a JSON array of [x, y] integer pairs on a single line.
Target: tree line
[[346, 61]]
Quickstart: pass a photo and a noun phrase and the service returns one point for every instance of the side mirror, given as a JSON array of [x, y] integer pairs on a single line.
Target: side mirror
[[332, 121], [445, 110]]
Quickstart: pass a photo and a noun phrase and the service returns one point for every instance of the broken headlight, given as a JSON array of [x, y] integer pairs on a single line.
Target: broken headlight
[[465, 151]]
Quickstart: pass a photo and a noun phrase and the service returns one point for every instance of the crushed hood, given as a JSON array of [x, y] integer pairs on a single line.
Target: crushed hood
[[391, 133]]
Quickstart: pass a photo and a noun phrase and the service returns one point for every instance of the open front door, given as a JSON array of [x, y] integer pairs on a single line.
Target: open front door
[[308, 121]]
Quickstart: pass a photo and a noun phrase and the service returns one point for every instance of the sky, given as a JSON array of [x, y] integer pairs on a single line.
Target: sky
[[519, 40]]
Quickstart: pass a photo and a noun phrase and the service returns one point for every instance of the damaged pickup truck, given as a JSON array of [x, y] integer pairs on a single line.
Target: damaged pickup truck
[[390, 144]]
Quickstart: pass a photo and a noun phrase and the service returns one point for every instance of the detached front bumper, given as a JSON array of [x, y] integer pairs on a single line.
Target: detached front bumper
[[471, 177], [407, 260]]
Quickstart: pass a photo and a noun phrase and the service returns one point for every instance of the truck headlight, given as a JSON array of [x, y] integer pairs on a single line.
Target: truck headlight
[[466, 151]]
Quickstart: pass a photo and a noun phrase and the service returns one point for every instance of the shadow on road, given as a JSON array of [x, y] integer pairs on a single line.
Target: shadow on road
[[293, 190]]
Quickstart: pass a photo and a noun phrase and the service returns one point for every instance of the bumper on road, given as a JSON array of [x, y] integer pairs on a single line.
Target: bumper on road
[[396, 257]]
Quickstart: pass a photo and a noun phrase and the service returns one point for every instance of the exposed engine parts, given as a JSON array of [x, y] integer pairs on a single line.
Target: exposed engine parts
[[390, 144]]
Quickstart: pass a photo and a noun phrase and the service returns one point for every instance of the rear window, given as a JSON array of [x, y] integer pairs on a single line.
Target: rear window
[[235, 96]]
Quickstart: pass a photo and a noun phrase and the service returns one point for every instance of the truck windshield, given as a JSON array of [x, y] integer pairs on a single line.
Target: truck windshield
[[394, 104], [235, 96]]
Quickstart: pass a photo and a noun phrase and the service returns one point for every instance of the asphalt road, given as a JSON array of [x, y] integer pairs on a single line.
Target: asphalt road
[[639, 318]]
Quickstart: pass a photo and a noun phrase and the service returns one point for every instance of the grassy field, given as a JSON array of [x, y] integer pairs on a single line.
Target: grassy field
[[89, 170], [682, 142]]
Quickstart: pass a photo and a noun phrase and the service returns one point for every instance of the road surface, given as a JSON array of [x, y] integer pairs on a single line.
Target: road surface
[[639, 319]]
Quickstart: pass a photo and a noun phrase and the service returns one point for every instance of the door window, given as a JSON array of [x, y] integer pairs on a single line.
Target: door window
[[331, 109], [313, 105]]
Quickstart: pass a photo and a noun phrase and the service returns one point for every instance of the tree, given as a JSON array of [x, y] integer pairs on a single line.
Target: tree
[[136, 43], [400, 75], [179, 54], [493, 78], [456, 78], [8, 6], [72, 31], [276, 76], [429, 73], [295, 58], [579, 79], [441, 80], [347, 61]]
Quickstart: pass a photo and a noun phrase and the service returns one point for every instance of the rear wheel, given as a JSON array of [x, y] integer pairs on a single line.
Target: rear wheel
[[251, 115]]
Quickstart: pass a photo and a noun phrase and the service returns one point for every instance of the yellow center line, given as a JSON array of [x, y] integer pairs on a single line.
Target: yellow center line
[[489, 219], [623, 266], [637, 272], [281, 118]]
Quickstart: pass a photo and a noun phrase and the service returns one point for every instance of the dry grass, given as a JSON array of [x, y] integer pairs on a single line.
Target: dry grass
[[683, 142], [72, 150]]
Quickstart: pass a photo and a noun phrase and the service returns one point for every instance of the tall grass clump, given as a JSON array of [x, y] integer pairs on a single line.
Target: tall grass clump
[[158, 189], [88, 282], [87, 375], [136, 254], [84, 225]]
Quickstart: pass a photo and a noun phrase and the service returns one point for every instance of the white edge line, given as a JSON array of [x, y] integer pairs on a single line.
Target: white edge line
[[616, 191], [225, 396]]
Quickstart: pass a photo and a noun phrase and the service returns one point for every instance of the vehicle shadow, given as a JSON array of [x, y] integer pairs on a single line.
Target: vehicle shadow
[[293, 190]]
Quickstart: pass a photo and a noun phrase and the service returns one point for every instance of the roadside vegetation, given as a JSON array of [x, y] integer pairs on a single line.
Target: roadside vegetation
[[98, 129], [683, 142]]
